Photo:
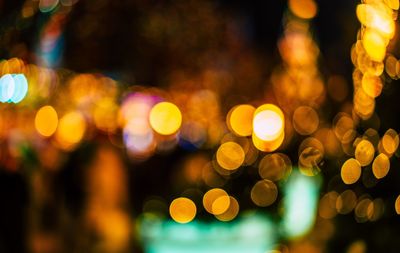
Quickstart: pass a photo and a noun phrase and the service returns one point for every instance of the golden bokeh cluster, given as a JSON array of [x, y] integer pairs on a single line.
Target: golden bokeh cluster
[[364, 207], [369, 52]]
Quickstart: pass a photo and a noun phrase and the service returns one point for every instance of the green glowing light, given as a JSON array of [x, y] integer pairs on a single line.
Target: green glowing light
[[300, 203]]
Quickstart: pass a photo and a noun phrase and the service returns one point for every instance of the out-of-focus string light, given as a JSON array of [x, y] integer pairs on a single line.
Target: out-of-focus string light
[[397, 205], [240, 119], [381, 166], [134, 119], [71, 129], [182, 210], [368, 53], [364, 209], [351, 171], [230, 155], [346, 202], [165, 118], [305, 120], [211, 204], [46, 121], [268, 127], [389, 142], [364, 152], [327, 205], [264, 193], [231, 212], [303, 8], [275, 167]]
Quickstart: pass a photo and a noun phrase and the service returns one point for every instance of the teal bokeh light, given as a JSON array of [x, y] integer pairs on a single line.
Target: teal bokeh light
[[7, 86], [300, 204], [13, 88], [252, 233], [20, 88]]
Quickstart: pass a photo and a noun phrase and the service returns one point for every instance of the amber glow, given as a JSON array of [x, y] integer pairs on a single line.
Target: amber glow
[[220, 205], [346, 202], [165, 118], [240, 118], [390, 142], [230, 155], [71, 129], [364, 152], [303, 8], [351, 171], [305, 120], [264, 193], [231, 212], [268, 127], [182, 210], [213, 201], [381, 166], [397, 205], [274, 167], [268, 124], [46, 121]]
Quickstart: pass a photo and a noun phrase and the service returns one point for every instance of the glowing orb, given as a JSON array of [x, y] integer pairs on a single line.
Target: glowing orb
[[165, 118]]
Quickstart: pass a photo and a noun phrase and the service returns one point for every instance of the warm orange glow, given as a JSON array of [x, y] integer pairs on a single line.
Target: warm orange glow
[[264, 193], [377, 17], [268, 146], [305, 120], [182, 210], [372, 85], [71, 129], [230, 155], [364, 152], [393, 4], [303, 8], [390, 142], [351, 171], [165, 118], [220, 205], [346, 202], [374, 44], [211, 197], [275, 167], [46, 121], [397, 205], [240, 120], [105, 115], [327, 205], [381, 166], [268, 127], [268, 122], [364, 210], [231, 212]]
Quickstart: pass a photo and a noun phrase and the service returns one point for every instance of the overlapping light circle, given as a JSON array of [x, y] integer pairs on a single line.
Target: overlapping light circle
[[13, 88]]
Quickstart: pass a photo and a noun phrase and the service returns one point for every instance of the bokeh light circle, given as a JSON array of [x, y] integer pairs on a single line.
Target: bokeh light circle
[[165, 118]]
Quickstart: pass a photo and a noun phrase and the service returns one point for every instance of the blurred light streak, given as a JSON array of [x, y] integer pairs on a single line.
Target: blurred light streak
[[51, 45]]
